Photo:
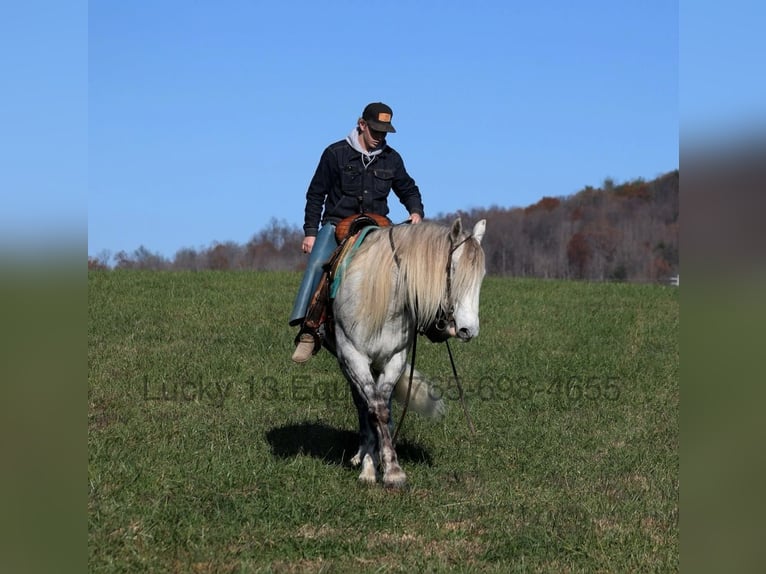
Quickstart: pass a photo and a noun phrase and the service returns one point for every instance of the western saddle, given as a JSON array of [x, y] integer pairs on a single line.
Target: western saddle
[[320, 309]]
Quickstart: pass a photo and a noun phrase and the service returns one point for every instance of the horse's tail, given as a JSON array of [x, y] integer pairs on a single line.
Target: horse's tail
[[425, 398]]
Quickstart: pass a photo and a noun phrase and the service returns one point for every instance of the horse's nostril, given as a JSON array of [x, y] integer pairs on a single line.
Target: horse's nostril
[[464, 333]]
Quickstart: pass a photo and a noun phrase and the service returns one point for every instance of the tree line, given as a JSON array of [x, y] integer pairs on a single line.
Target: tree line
[[625, 232]]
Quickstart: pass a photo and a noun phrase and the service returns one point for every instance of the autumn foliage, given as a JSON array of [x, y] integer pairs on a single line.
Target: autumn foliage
[[626, 232]]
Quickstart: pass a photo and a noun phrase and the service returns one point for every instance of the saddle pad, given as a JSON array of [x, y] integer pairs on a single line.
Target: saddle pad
[[346, 258]]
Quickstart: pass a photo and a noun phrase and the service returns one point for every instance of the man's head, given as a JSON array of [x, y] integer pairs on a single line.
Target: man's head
[[378, 116], [374, 124]]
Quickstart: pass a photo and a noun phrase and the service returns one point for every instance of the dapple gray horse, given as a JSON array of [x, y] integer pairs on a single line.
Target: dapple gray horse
[[402, 280]]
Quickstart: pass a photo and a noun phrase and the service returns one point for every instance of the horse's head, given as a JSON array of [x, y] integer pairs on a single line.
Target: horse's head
[[459, 316]]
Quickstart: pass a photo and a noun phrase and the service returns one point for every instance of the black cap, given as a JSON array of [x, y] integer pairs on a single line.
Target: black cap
[[378, 117]]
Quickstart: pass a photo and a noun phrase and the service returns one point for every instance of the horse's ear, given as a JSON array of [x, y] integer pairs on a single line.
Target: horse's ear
[[456, 230], [479, 229]]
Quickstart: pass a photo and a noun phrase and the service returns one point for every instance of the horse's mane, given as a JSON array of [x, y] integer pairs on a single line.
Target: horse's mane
[[420, 277]]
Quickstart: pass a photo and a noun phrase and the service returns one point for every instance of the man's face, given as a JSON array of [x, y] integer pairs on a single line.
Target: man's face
[[371, 138]]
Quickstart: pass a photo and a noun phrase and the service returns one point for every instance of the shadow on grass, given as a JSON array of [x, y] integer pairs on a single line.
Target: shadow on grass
[[333, 445]]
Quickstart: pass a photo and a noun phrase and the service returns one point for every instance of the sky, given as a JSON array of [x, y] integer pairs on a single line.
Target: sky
[[43, 125], [170, 124], [207, 119]]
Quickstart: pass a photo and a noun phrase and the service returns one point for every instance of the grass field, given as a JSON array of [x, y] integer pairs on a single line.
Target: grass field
[[210, 451]]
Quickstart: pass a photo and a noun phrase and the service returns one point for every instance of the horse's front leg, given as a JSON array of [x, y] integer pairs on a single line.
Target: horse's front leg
[[393, 475], [367, 455], [380, 419], [356, 367]]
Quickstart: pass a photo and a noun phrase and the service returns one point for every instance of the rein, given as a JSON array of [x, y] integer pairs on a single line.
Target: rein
[[460, 392], [441, 327], [409, 390]]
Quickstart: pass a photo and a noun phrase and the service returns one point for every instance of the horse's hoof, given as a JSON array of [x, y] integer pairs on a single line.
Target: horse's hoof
[[367, 477], [395, 479]]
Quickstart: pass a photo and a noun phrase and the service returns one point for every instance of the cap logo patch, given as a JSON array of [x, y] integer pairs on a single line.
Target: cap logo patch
[[384, 117]]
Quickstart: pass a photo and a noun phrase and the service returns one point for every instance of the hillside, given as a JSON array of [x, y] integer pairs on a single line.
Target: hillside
[[210, 451], [616, 232], [625, 232]]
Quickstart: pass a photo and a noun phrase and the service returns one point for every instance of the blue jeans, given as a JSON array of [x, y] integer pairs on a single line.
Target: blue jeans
[[324, 245]]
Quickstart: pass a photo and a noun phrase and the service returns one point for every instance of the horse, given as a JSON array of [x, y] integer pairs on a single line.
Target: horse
[[401, 281]]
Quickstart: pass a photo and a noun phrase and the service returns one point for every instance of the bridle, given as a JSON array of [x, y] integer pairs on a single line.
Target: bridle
[[445, 316]]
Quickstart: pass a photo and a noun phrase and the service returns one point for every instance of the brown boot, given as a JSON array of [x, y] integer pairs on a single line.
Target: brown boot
[[304, 348]]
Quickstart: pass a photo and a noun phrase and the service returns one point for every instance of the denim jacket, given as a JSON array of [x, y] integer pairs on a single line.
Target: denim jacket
[[342, 185]]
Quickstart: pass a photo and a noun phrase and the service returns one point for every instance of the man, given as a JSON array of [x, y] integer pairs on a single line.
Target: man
[[354, 175]]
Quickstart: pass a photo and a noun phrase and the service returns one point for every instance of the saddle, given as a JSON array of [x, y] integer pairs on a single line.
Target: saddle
[[320, 309]]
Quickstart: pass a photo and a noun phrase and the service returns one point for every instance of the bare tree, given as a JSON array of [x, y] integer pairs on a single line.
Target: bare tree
[[618, 232]]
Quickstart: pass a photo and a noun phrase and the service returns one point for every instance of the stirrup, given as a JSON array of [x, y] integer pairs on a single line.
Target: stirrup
[[314, 334]]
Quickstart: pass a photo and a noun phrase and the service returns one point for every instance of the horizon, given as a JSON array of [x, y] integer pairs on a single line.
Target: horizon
[[109, 258]]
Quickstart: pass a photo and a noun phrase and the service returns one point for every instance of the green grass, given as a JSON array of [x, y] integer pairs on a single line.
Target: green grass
[[210, 451]]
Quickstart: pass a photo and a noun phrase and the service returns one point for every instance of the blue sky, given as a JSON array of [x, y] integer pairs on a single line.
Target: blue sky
[[207, 119], [180, 124], [722, 84], [43, 124]]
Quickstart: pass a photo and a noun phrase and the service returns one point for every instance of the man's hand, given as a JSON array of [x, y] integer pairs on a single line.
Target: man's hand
[[415, 218], [308, 243]]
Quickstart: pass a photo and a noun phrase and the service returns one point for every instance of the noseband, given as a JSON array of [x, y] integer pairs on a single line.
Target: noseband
[[437, 331]]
